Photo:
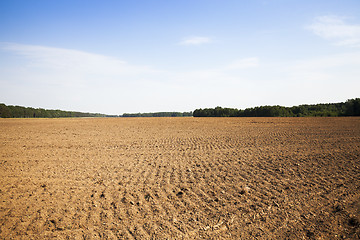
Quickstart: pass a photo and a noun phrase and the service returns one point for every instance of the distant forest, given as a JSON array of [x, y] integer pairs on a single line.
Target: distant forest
[[349, 108], [28, 112]]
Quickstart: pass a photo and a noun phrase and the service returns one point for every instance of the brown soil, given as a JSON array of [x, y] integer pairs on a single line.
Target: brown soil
[[180, 178]]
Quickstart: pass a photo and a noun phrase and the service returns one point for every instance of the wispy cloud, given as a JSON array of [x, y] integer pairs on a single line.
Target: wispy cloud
[[195, 41], [73, 61], [334, 28]]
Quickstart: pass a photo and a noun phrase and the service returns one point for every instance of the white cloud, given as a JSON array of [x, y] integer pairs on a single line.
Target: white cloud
[[195, 41], [243, 64], [335, 28]]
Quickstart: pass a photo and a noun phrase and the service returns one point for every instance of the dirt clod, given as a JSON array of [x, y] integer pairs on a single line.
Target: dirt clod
[[180, 194], [353, 222], [244, 190]]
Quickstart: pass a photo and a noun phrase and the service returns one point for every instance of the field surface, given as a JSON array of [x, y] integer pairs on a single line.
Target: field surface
[[180, 178]]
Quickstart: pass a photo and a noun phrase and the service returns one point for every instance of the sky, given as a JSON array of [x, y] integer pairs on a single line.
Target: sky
[[126, 56]]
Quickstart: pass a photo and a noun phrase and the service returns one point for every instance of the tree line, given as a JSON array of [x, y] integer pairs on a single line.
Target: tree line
[[349, 108], [28, 112]]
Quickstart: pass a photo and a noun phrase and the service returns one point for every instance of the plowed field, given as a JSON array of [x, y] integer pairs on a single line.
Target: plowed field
[[180, 178]]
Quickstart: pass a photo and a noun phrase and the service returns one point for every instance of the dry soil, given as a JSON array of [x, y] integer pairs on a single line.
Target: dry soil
[[180, 178]]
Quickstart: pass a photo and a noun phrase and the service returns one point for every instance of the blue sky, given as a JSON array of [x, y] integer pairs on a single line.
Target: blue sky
[[148, 56]]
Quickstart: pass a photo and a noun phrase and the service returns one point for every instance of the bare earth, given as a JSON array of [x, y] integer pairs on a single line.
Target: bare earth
[[180, 178]]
